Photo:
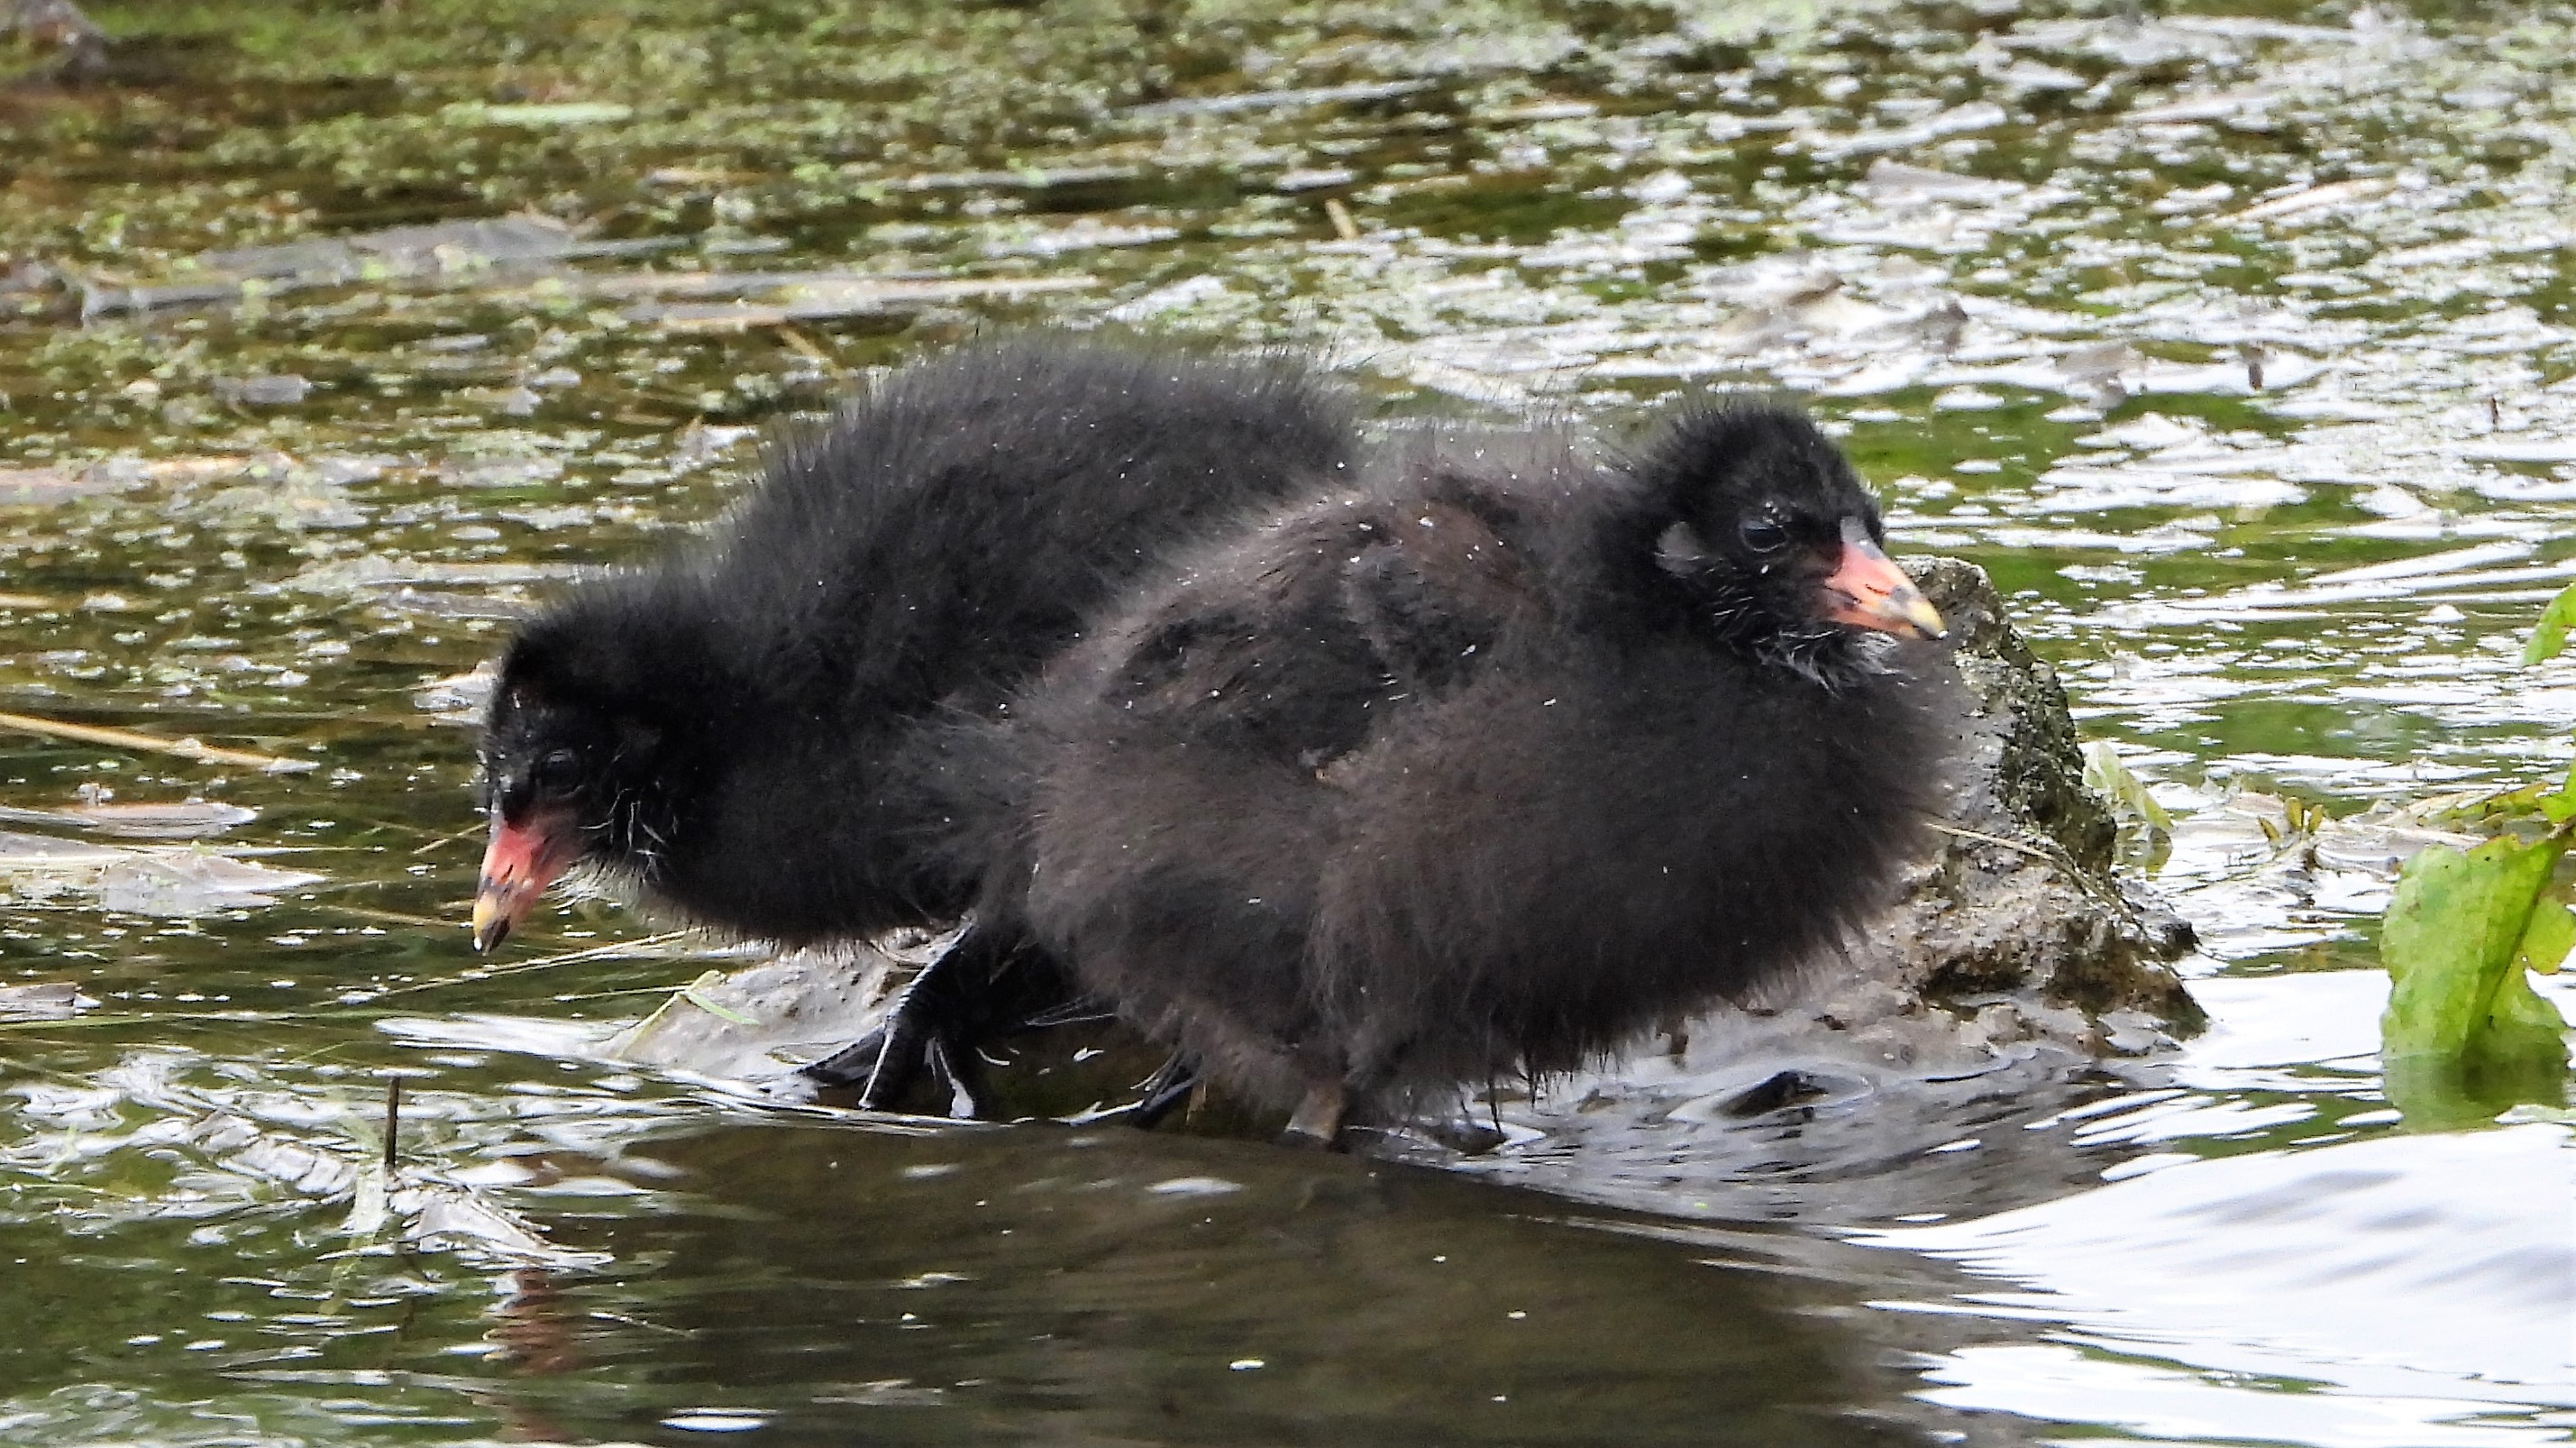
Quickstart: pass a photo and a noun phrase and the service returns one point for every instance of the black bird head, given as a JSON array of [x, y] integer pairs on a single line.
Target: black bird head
[[583, 748], [1767, 535]]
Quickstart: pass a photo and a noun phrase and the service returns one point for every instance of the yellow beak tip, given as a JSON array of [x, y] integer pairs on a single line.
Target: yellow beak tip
[[491, 923]]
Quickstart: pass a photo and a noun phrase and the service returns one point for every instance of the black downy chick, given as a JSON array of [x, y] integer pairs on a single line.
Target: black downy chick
[[1483, 770], [728, 730]]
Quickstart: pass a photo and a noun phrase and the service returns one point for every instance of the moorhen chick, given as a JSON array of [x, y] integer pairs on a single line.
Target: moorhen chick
[[727, 731], [1482, 770]]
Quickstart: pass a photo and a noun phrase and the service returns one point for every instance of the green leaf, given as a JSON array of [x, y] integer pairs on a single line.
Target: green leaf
[[2549, 637], [2547, 939], [695, 994], [2129, 797], [2518, 1012], [2464, 1034], [2560, 807], [2453, 931]]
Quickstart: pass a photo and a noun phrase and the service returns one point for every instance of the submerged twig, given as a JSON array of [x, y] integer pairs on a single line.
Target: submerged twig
[[385, 917], [393, 1119], [443, 841], [803, 346], [164, 1020], [152, 743]]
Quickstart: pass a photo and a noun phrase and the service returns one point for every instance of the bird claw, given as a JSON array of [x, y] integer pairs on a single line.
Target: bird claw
[[910, 1041], [979, 987], [955, 1070], [915, 1038], [885, 1063], [851, 1065], [1169, 1086]]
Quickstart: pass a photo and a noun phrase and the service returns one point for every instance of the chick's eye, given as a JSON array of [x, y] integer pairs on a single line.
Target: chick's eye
[[559, 769], [1763, 535]]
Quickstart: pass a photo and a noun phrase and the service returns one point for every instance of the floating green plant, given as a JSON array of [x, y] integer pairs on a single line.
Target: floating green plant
[[2464, 1033]]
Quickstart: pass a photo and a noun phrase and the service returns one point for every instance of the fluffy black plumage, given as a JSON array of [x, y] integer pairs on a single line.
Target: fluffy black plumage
[[728, 729], [1483, 769]]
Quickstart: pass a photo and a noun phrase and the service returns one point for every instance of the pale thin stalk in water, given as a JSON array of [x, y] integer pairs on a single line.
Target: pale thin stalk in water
[[153, 743], [2031, 850], [639, 946]]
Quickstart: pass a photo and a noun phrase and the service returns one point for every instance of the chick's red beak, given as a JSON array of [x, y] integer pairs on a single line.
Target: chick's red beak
[[1867, 590], [524, 857]]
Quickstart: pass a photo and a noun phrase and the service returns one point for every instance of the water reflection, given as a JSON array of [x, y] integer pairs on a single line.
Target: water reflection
[[2415, 1290], [1110, 1287], [1032, 1284]]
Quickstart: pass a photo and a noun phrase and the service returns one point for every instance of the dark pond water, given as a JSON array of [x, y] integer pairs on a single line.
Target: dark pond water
[[2235, 340]]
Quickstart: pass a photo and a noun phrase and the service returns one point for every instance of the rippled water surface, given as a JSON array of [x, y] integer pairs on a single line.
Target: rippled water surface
[[2235, 340]]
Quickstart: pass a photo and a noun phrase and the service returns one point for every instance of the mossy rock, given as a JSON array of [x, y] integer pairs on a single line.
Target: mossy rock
[[2024, 897]]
